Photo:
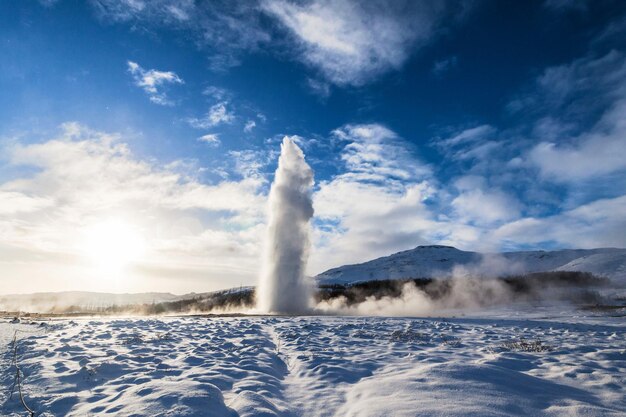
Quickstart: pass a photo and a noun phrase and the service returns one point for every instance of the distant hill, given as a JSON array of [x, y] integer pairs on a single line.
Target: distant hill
[[438, 261], [67, 302], [50, 301]]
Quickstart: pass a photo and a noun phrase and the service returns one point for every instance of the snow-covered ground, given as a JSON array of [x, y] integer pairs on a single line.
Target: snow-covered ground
[[541, 362]]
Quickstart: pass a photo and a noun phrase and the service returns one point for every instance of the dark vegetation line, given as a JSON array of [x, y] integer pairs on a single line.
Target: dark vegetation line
[[529, 287]]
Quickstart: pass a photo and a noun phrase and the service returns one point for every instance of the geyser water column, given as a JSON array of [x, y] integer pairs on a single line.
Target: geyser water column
[[282, 286]]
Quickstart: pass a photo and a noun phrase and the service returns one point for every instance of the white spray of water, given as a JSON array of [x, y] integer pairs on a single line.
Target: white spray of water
[[283, 287]]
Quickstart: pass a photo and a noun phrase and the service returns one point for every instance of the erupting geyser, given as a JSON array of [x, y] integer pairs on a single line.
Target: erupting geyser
[[282, 287]]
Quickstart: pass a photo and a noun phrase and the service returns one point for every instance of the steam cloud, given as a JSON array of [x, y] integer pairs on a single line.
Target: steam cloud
[[475, 287], [282, 287], [462, 294]]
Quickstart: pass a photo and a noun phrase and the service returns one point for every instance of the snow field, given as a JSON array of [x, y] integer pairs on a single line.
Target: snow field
[[319, 366]]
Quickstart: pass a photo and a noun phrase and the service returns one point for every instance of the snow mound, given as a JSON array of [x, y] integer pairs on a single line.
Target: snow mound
[[610, 264]]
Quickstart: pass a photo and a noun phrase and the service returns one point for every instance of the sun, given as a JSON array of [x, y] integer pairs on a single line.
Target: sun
[[113, 244]]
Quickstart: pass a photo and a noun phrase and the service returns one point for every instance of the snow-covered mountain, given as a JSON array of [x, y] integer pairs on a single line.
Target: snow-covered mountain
[[446, 261]]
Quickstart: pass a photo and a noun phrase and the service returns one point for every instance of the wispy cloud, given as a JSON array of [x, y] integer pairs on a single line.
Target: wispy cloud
[[566, 5], [352, 42], [152, 81], [319, 87], [250, 124], [217, 93], [210, 138], [564, 146], [593, 154], [250, 163], [348, 42], [224, 30], [583, 87], [442, 66], [375, 153], [458, 142], [217, 114], [475, 144]]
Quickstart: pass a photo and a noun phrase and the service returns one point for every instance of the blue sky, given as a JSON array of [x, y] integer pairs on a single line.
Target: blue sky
[[484, 125]]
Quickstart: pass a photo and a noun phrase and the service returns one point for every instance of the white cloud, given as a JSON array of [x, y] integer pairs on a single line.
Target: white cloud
[[377, 204], [595, 154], [479, 203], [152, 80], [83, 177], [574, 91], [363, 212], [217, 93], [375, 153], [474, 144], [179, 11], [250, 124], [384, 199], [119, 9], [361, 221], [561, 83], [210, 138], [581, 88], [249, 163], [349, 42], [13, 202], [352, 42], [470, 135], [217, 114], [387, 200], [97, 170], [319, 88], [600, 223], [571, 133]]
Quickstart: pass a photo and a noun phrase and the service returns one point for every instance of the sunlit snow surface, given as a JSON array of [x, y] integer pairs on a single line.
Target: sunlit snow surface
[[321, 366]]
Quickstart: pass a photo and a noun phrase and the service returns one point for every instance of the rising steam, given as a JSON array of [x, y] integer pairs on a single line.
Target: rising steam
[[282, 287], [470, 288]]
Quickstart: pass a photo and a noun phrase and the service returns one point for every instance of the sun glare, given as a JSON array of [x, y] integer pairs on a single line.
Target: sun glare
[[112, 245]]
